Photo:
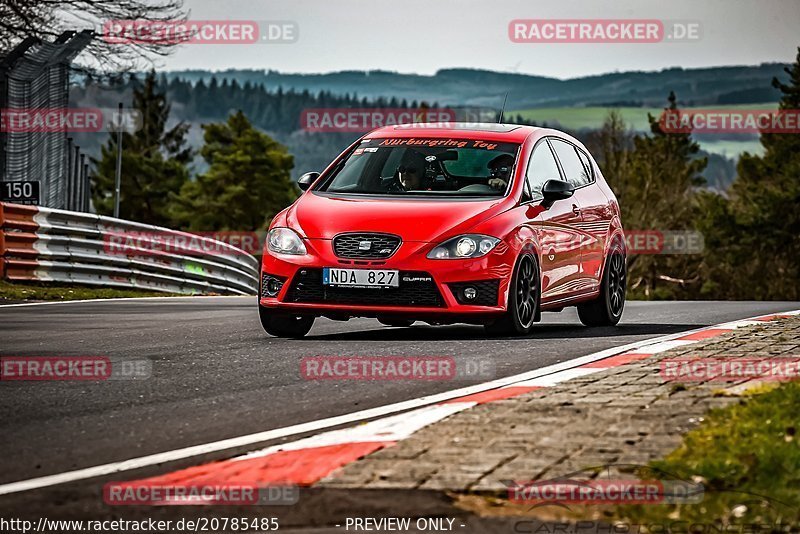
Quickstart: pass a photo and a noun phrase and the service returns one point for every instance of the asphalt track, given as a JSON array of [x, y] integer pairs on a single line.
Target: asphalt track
[[217, 375]]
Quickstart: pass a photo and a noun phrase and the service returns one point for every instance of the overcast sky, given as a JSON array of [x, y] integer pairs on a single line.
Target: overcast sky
[[422, 36]]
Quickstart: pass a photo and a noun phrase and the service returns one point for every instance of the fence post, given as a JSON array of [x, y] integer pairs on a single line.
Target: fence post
[[80, 184], [68, 175], [118, 174], [87, 188], [75, 170]]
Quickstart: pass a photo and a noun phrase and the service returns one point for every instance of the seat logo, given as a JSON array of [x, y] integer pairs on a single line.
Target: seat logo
[[364, 245]]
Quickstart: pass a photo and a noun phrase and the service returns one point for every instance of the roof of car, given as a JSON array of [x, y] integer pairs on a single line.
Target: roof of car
[[511, 133]]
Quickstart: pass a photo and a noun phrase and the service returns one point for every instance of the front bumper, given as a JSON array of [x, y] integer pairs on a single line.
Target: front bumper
[[428, 288]]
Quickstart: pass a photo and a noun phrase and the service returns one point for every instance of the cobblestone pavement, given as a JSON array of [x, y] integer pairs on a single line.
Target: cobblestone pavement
[[627, 415]]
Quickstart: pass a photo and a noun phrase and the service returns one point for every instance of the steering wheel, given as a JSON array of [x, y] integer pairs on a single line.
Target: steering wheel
[[394, 185]]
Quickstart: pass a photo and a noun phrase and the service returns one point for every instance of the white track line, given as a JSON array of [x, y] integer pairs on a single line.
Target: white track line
[[556, 378], [321, 424], [393, 428], [664, 346]]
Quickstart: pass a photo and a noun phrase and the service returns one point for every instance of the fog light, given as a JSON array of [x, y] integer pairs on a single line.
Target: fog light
[[470, 293], [273, 287]]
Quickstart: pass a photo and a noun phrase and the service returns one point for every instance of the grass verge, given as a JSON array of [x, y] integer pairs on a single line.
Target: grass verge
[[747, 456], [18, 292]]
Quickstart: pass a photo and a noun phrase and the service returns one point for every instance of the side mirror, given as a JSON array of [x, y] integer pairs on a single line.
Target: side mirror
[[553, 190], [305, 181]]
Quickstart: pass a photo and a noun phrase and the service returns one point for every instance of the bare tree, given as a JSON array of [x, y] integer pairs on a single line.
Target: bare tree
[[47, 19]]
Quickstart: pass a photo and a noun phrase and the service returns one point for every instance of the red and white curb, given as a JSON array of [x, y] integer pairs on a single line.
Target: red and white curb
[[306, 461]]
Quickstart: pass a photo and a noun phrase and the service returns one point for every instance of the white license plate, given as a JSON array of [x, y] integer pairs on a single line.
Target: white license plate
[[334, 276]]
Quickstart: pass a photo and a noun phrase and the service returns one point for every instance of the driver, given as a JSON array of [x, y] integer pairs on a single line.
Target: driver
[[410, 177], [410, 173], [500, 171]]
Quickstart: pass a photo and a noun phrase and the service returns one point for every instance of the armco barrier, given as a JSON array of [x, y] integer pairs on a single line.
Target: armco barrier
[[46, 244]]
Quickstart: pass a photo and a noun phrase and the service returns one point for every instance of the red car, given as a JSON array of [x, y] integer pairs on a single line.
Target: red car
[[486, 224]]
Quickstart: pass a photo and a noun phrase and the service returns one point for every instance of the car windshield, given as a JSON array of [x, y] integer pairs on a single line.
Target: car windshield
[[425, 167]]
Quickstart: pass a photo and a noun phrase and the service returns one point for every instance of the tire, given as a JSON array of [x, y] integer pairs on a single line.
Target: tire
[[524, 298], [399, 323], [606, 310], [282, 325]]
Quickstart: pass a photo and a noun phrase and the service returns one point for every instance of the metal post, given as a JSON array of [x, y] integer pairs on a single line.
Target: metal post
[[75, 171], [80, 184], [87, 189], [68, 174], [118, 176], [72, 199]]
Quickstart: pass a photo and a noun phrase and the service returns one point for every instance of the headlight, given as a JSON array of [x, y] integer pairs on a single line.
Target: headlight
[[464, 246], [285, 241]]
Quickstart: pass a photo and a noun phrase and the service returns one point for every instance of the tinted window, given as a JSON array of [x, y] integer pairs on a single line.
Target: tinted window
[[425, 166], [542, 167], [575, 171], [587, 163]]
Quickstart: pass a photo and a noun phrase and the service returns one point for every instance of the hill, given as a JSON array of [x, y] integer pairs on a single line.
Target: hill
[[470, 87]]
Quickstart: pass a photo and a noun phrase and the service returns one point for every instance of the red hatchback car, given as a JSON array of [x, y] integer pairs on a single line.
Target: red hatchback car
[[485, 224]]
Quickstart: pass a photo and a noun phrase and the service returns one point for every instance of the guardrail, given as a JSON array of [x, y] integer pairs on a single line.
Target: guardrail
[[43, 244]]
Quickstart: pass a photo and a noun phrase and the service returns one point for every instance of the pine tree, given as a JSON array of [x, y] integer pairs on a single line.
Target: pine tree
[[655, 178], [247, 182], [154, 161], [757, 231]]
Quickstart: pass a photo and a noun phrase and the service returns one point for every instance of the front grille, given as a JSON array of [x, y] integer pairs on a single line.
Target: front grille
[[381, 246], [277, 282], [416, 289], [486, 292]]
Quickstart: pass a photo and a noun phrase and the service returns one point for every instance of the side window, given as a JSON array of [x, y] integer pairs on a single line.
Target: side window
[[541, 167], [576, 173], [587, 164]]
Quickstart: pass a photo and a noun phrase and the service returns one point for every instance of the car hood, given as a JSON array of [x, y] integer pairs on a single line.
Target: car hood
[[323, 216]]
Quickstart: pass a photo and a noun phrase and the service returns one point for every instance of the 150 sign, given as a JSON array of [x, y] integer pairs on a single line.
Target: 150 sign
[[26, 192]]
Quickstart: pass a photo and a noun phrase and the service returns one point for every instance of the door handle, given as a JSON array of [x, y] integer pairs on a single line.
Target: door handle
[[575, 209]]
